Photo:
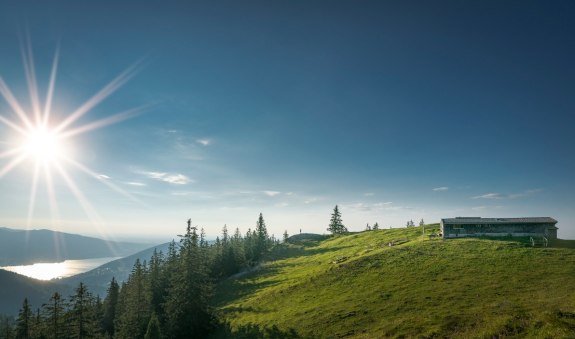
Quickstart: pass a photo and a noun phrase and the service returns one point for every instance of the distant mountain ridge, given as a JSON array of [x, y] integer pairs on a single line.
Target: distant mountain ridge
[[22, 247]]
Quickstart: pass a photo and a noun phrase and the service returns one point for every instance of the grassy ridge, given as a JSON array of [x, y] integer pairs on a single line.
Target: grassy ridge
[[358, 286]]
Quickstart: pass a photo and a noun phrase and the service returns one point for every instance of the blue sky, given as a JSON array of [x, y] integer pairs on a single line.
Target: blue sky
[[394, 110]]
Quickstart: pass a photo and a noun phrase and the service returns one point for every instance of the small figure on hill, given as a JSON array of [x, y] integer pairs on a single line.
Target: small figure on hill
[[367, 227], [421, 222]]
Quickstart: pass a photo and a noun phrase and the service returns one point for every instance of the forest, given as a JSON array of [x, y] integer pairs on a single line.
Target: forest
[[165, 297]]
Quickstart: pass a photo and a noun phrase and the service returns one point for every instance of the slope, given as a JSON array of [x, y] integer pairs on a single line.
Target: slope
[[21, 247], [98, 279], [358, 285], [14, 288]]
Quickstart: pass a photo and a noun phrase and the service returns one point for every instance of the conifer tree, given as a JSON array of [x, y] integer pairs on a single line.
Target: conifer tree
[[367, 227], [261, 237], [110, 307], [186, 308], [133, 320], [421, 222], [286, 236], [336, 224], [24, 321], [153, 330], [55, 316], [82, 322], [375, 227]]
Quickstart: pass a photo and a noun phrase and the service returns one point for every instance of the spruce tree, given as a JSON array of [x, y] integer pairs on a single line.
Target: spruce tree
[[336, 224], [153, 330], [375, 227], [110, 307], [24, 321], [187, 307], [262, 237], [82, 321], [286, 236], [54, 311]]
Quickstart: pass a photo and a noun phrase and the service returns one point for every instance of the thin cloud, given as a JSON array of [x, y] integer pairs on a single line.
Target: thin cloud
[[135, 183], [271, 193], [176, 179], [204, 142], [441, 189], [499, 196], [494, 196], [102, 176]]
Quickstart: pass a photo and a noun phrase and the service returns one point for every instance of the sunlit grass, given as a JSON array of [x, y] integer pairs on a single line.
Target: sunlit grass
[[357, 285]]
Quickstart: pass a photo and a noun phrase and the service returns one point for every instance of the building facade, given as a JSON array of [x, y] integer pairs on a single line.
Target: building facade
[[498, 227]]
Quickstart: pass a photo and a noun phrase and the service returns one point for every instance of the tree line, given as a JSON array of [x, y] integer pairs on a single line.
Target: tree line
[[165, 297]]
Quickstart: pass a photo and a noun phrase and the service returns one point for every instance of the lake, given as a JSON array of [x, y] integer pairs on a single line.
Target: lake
[[67, 268]]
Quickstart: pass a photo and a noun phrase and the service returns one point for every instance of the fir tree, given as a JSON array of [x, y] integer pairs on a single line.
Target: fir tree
[[55, 315], [375, 227], [110, 307], [261, 237], [336, 224], [153, 331], [82, 322], [24, 321], [186, 308], [286, 236]]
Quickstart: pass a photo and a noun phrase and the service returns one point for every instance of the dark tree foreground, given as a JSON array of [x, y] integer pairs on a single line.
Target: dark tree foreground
[[165, 297]]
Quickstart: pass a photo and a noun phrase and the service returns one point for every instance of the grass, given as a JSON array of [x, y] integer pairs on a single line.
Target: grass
[[358, 286]]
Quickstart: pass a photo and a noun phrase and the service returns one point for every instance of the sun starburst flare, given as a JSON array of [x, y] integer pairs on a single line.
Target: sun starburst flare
[[46, 143]]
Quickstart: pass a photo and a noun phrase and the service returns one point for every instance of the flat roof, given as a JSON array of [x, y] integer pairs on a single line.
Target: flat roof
[[477, 220]]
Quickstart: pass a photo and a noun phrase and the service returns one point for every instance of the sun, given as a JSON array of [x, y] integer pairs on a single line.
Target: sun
[[44, 145], [46, 142]]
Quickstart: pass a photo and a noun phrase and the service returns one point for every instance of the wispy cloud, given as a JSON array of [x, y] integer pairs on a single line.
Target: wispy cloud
[[494, 196], [134, 183], [498, 196], [271, 193], [171, 178], [102, 176], [204, 142], [441, 189]]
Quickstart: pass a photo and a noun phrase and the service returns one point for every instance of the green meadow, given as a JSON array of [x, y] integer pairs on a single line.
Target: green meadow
[[397, 283]]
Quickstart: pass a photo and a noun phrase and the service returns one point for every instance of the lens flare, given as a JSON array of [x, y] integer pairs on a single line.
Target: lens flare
[[47, 144]]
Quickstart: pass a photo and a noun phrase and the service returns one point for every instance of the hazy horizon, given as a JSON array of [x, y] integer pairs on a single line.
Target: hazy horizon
[[390, 111]]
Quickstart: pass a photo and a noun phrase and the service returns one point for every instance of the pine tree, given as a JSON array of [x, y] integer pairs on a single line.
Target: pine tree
[[375, 227], [110, 307], [421, 222], [262, 237], [133, 320], [187, 308], [24, 321], [153, 331], [82, 321], [335, 224], [286, 236], [55, 315]]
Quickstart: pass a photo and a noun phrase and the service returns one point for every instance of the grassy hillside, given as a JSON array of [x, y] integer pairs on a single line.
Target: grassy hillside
[[358, 286]]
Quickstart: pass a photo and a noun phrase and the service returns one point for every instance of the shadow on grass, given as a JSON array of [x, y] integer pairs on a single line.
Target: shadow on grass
[[253, 331]]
